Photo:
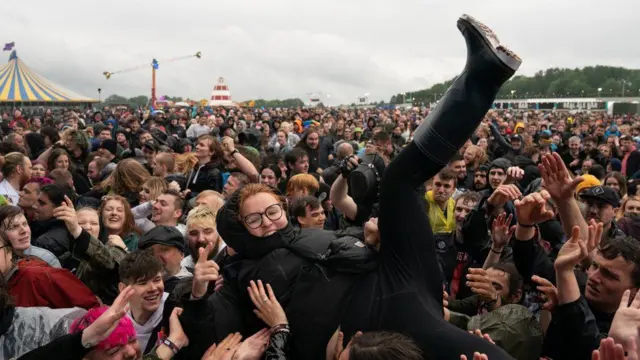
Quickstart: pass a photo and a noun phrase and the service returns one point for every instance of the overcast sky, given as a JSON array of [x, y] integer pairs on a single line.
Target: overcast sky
[[288, 48]]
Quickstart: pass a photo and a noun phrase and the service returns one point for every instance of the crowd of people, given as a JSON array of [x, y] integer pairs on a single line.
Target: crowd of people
[[326, 233]]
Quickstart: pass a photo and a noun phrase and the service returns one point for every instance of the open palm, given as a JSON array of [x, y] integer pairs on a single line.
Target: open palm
[[253, 347], [557, 180], [572, 252], [625, 327]]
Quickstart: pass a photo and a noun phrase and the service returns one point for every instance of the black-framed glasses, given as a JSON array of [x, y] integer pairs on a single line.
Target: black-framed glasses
[[273, 212]]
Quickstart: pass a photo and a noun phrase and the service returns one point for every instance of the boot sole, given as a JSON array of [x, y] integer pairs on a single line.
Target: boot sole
[[506, 56]]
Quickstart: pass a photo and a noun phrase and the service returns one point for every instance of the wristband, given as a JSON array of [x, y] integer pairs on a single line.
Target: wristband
[[496, 252], [171, 346], [526, 226], [235, 151], [280, 328]]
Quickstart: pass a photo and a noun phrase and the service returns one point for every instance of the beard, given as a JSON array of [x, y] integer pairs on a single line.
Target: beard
[[195, 251]]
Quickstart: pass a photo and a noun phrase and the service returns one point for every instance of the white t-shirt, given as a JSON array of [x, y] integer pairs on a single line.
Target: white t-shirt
[[9, 192]]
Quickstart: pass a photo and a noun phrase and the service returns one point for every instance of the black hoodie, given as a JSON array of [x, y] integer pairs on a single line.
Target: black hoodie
[[531, 171]]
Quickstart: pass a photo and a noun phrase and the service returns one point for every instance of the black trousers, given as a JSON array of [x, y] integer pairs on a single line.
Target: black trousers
[[404, 294]]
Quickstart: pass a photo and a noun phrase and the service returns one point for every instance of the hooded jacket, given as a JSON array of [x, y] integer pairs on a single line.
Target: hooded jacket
[[280, 260], [32, 282], [23, 329], [205, 177]]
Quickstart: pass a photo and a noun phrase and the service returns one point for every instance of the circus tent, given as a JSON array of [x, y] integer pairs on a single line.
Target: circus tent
[[21, 85]]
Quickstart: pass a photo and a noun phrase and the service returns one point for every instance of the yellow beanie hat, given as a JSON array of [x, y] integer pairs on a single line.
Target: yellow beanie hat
[[587, 182]]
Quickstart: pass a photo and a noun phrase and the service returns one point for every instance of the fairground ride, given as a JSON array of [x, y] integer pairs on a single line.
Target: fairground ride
[[155, 65]]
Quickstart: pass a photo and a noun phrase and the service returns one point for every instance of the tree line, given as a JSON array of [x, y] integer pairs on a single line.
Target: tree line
[[142, 101], [605, 81]]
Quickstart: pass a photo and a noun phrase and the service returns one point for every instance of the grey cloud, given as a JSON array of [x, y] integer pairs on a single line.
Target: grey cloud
[[287, 48]]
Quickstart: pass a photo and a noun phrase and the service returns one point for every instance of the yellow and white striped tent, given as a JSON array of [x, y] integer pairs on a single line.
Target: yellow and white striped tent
[[19, 84]]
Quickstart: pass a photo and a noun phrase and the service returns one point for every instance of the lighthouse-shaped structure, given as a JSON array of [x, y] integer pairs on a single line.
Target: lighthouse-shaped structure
[[221, 96]]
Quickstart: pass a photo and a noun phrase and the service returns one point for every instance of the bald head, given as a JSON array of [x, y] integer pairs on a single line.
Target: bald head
[[345, 149]]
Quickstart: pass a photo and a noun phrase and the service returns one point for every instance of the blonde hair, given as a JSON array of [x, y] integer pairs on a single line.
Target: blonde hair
[[285, 126], [303, 182], [218, 202], [202, 215], [156, 185], [185, 163], [623, 206]]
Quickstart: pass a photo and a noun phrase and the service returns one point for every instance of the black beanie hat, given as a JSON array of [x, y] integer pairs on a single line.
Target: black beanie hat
[[110, 145]]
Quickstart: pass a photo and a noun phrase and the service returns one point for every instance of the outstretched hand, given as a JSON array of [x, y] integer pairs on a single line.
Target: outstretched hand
[[501, 232], [531, 210], [557, 179], [625, 327], [609, 350], [576, 249], [108, 321], [224, 350], [253, 347]]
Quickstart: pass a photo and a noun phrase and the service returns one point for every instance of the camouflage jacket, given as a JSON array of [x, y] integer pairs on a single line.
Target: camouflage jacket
[[99, 265]]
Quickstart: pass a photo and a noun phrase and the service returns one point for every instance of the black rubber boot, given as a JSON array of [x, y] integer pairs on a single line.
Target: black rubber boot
[[464, 105]]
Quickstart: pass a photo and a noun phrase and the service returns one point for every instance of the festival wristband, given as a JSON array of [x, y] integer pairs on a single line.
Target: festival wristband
[[171, 346]]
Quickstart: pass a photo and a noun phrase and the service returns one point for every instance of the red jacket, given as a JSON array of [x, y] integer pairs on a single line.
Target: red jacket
[[35, 283]]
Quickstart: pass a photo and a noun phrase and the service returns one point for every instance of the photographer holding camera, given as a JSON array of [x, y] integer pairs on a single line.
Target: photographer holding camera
[[355, 191]]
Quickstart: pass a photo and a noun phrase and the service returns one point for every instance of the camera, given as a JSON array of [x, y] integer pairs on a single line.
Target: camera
[[364, 179]]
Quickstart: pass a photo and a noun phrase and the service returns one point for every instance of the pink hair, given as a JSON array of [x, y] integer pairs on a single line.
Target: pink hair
[[122, 334], [40, 180]]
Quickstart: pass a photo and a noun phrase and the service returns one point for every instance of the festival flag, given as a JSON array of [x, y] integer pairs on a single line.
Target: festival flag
[[9, 46]]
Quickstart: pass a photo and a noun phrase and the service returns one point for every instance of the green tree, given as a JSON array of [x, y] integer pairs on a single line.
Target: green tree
[[552, 82], [140, 100], [286, 103], [116, 100], [174, 99]]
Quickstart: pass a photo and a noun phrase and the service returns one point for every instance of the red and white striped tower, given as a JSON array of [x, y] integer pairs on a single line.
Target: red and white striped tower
[[221, 96]]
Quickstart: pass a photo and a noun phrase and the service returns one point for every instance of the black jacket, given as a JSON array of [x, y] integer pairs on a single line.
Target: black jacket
[[288, 260], [206, 177], [633, 163], [531, 171], [575, 330], [53, 235]]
